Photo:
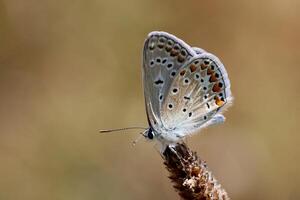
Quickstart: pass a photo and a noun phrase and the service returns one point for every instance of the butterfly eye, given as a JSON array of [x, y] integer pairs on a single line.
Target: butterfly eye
[[150, 134], [170, 106]]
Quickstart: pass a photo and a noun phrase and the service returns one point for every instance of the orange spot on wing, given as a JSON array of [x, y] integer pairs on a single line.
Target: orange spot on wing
[[203, 66], [216, 88], [180, 58], [193, 68], [213, 78], [174, 52], [209, 71], [168, 48], [219, 102], [182, 72]]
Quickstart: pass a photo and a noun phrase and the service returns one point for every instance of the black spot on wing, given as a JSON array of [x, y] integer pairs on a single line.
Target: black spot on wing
[[159, 82]]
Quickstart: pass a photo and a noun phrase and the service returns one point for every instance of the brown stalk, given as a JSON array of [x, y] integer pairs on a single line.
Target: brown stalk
[[190, 175]]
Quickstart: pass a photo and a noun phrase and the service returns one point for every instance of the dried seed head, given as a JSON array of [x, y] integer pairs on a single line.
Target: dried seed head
[[190, 176]]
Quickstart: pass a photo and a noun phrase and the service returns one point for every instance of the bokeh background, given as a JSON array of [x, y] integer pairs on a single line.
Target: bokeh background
[[70, 68]]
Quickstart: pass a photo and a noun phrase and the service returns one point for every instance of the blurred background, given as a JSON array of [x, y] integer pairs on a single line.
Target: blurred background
[[70, 68]]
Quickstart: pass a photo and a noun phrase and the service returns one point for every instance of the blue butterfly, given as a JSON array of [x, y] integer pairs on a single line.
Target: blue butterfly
[[185, 88]]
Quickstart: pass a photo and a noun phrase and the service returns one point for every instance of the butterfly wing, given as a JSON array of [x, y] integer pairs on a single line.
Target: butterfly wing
[[196, 97], [163, 56], [198, 50]]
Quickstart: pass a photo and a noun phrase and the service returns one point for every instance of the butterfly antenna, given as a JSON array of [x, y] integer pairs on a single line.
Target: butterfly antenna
[[121, 129]]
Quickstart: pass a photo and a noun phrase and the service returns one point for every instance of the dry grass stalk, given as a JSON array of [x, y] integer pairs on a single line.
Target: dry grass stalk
[[191, 178]]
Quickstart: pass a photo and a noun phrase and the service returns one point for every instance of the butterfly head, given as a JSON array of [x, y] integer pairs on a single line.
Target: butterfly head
[[149, 134]]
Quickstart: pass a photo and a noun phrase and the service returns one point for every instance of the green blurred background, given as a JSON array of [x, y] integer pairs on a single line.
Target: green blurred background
[[70, 68]]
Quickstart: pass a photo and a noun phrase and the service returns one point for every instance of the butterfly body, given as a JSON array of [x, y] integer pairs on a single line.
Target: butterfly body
[[185, 88]]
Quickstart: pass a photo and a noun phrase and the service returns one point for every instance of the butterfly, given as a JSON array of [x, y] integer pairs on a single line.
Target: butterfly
[[185, 88]]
